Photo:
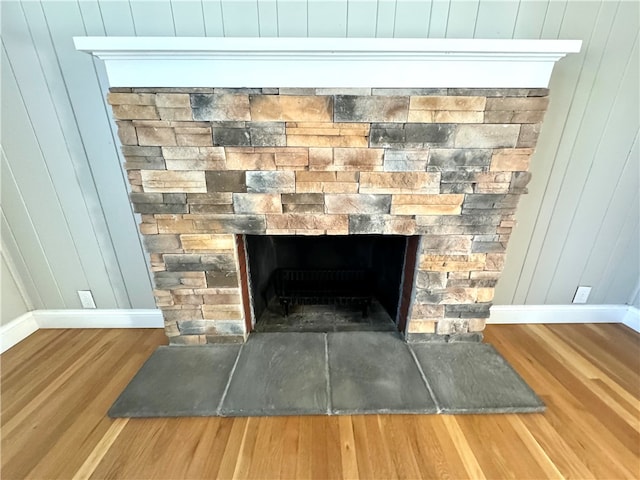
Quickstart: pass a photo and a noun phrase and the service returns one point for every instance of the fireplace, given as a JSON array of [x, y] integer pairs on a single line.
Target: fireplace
[[236, 185]]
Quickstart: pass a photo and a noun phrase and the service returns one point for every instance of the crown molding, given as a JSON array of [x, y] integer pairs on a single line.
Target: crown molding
[[326, 62]]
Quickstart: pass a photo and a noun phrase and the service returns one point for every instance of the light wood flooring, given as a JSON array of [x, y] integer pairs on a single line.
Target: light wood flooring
[[58, 384]]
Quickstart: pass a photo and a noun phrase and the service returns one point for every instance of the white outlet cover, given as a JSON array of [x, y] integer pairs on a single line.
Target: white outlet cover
[[86, 299], [582, 295]]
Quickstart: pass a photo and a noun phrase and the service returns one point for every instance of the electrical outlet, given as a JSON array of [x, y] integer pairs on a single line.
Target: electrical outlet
[[582, 295], [86, 299]]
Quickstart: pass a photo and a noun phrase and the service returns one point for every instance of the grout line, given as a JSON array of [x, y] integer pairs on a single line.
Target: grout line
[[231, 373], [424, 379], [327, 375]]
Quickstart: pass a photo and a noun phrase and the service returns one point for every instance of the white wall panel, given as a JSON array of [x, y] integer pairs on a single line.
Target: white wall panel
[[12, 303], [578, 225]]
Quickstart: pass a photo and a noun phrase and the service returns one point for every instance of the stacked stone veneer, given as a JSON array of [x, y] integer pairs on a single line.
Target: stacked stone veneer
[[205, 164]]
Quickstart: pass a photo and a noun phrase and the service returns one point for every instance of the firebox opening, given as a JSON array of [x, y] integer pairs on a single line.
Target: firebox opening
[[327, 282]]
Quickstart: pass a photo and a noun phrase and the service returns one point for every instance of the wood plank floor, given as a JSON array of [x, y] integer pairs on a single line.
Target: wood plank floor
[[58, 384]]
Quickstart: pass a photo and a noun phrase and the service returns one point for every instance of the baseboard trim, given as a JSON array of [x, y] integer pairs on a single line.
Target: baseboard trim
[[23, 326], [95, 318], [17, 330], [504, 314]]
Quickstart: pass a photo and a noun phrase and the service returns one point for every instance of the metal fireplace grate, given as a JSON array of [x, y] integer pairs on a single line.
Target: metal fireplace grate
[[323, 287]]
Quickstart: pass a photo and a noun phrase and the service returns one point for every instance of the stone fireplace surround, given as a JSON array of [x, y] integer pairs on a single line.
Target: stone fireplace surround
[[207, 165]]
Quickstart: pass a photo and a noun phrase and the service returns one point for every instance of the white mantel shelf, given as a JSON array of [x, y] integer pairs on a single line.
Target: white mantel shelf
[[326, 62]]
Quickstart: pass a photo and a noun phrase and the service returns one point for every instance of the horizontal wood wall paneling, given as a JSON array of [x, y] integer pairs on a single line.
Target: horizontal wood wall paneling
[[386, 19], [38, 193], [327, 18], [563, 116], [153, 18], [20, 268], [615, 136], [583, 134], [496, 19], [620, 211], [240, 18], [64, 21], [46, 125], [292, 18], [268, 18], [187, 18], [438, 18], [412, 19], [461, 22], [361, 19], [67, 122], [26, 242], [530, 19], [213, 25]]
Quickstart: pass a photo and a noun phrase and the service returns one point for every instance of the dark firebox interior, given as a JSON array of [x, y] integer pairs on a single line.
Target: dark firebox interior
[[381, 256]]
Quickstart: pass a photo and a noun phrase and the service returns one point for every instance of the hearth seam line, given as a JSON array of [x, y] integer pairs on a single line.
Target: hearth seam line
[[231, 373], [424, 379], [327, 374]]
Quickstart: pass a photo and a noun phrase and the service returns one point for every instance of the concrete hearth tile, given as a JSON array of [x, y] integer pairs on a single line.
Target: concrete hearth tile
[[279, 374], [374, 372], [178, 381], [474, 378]]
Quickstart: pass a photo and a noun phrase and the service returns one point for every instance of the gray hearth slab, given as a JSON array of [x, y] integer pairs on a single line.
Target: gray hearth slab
[[279, 374], [374, 372], [178, 381], [474, 378]]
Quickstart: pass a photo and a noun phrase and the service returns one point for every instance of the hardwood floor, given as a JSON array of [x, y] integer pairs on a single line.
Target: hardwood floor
[[58, 384]]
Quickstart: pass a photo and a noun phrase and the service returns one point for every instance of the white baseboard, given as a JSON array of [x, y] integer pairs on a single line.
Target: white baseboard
[[23, 326], [17, 330], [632, 318], [98, 318], [566, 314]]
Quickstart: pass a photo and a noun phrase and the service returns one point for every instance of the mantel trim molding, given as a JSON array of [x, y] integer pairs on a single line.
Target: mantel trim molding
[[193, 62]]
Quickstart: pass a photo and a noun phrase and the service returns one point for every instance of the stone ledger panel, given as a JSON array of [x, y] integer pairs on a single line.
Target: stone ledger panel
[[205, 164]]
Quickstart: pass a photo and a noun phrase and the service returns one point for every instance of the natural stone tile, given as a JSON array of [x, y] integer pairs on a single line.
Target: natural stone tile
[[296, 91], [207, 241], [161, 243], [236, 137], [452, 244], [430, 281], [205, 154], [421, 326], [150, 208], [381, 224], [194, 139], [488, 247], [250, 159], [528, 135], [222, 279], [512, 159], [179, 114], [399, 182], [433, 102], [291, 108], [452, 263], [361, 203], [292, 157], [343, 91], [303, 198], [248, 224], [349, 108], [131, 112], [179, 279], [507, 116], [267, 135], [522, 104], [173, 181], [229, 181], [476, 310], [302, 208], [173, 100], [257, 203], [130, 150], [360, 158], [210, 198], [429, 310], [127, 133], [519, 182], [271, 182], [326, 141], [457, 117], [404, 92], [320, 158], [486, 136], [309, 222], [114, 98], [222, 312], [156, 136], [206, 209], [220, 107], [413, 135]]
